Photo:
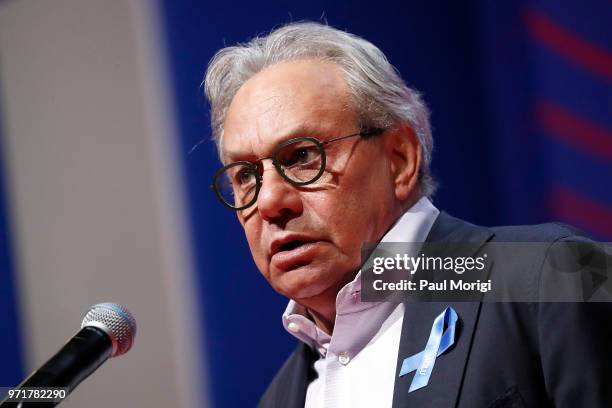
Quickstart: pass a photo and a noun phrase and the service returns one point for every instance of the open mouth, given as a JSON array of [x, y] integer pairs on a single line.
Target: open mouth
[[288, 246]]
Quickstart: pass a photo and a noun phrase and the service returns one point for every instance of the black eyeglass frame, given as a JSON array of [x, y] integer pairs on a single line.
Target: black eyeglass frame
[[257, 167]]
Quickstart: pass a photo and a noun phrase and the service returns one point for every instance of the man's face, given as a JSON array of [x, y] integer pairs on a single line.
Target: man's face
[[306, 240]]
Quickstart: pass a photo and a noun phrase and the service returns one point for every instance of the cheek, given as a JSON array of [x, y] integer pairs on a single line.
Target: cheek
[[258, 252], [361, 204], [345, 216]]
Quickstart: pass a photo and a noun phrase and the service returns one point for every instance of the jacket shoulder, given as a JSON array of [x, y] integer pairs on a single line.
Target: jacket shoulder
[[548, 232], [449, 228]]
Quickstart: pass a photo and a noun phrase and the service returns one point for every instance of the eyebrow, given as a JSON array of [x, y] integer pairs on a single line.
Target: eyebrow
[[301, 130]]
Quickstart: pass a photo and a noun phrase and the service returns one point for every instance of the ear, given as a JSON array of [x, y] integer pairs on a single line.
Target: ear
[[403, 150]]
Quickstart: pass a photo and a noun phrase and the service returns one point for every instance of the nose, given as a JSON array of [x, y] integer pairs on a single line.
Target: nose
[[277, 197]]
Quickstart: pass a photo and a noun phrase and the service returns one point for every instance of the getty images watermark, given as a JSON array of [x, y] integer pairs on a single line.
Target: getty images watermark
[[575, 271]]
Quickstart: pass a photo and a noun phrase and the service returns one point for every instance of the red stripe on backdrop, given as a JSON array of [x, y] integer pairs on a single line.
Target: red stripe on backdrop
[[579, 132], [565, 43], [580, 210]]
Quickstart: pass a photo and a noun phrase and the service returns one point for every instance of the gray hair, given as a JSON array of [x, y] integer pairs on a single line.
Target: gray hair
[[378, 94]]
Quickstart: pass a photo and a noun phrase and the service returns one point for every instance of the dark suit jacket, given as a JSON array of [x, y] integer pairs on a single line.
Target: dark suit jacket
[[506, 354]]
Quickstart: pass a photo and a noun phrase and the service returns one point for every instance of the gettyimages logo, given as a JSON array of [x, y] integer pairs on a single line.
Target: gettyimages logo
[[421, 262]]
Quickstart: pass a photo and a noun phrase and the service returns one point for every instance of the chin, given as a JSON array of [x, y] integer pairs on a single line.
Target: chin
[[301, 283]]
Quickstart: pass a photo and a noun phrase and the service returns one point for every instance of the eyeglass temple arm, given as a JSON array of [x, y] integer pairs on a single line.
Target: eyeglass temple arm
[[364, 133]]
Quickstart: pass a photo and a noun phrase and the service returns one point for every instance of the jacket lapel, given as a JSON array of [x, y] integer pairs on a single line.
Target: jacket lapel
[[445, 381], [291, 391]]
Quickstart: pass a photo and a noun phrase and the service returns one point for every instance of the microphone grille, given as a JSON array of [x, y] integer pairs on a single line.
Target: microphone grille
[[116, 321]]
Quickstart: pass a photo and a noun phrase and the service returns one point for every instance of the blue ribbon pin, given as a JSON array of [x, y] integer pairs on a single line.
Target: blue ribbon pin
[[441, 338]]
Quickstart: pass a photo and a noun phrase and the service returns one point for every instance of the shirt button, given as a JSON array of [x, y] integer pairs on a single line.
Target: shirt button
[[293, 327], [344, 358]]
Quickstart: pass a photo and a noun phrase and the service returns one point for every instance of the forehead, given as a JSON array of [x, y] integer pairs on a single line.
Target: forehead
[[286, 100]]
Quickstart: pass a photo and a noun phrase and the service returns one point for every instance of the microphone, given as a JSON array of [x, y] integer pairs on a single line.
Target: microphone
[[107, 330]]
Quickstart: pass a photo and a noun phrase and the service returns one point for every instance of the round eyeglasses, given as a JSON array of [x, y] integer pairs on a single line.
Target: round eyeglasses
[[299, 161]]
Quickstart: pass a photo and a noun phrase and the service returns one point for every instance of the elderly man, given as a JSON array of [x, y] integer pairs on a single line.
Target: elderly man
[[325, 148]]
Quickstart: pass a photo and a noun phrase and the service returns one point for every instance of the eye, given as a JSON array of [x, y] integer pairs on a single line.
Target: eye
[[244, 177], [301, 156]]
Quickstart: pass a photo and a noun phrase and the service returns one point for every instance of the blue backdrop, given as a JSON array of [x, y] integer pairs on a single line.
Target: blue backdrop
[[521, 96]]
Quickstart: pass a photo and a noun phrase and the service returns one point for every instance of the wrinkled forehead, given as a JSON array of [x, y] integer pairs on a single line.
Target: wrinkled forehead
[[290, 99]]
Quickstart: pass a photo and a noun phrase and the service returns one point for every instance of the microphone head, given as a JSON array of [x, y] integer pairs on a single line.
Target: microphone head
[[116, 322]]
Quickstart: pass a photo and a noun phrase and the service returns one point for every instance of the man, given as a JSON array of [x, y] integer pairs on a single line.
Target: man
[[324, 149]]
